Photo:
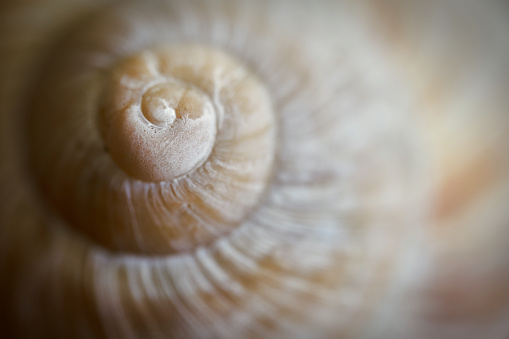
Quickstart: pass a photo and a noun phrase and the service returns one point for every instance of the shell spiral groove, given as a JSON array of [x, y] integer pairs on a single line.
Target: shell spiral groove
[[170, 119], [225, 169]]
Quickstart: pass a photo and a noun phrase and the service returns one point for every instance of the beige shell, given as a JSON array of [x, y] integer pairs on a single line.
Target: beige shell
[[254, 169]]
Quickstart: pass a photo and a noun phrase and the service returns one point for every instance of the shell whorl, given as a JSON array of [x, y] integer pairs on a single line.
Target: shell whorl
[[172, 147], [289, 209], [158, 128], [219, 169]]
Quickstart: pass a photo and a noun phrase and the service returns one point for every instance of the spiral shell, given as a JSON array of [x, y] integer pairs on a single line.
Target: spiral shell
[[227, 169]]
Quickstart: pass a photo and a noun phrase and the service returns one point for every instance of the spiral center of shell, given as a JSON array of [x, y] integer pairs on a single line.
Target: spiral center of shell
[[156, 128], [159, 103]]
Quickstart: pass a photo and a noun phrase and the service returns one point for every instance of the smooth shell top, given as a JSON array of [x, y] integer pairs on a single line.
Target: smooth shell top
[[158, 127]]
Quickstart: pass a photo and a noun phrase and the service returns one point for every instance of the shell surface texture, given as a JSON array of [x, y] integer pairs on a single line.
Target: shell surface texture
[[254, 169]]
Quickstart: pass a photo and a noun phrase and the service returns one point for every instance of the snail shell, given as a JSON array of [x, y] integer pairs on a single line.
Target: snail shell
[[231, 170]]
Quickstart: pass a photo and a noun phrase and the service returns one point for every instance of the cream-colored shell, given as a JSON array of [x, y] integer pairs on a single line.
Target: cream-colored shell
[[241, 169]]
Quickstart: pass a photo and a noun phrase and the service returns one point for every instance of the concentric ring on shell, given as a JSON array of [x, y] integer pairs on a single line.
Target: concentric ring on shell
[[165, 149], [156, 127]]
